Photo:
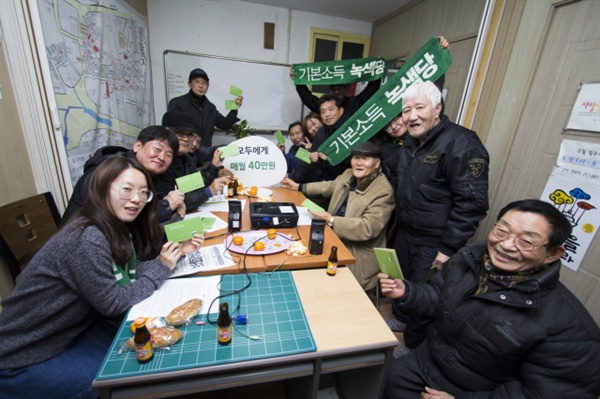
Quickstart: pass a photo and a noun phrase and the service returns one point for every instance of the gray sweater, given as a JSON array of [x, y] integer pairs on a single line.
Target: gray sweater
[[65, 287]]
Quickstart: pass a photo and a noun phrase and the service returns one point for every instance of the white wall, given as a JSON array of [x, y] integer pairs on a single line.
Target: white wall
[[232, 28]]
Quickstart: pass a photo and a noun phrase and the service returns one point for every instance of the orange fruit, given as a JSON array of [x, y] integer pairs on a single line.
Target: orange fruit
[[238, 240], [259, 246], [272, 234], [253, 190]]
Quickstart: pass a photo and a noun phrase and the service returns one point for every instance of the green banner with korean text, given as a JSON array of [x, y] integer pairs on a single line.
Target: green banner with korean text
[[340, 72], [429, 63]]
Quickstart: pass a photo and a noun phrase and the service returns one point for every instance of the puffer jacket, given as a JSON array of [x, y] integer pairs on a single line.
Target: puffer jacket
[[363, 226], [442, 187], [533, 340]]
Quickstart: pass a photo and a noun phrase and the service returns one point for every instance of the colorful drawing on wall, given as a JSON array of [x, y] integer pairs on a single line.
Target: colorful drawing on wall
[[578, 201], [574, 189]]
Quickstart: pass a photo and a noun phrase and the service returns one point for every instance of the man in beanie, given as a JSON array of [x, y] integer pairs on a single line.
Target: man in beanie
[[183, 164], [362, 201], [204, 114]]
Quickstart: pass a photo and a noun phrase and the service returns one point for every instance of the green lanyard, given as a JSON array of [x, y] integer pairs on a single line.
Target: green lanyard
[[125, 274]]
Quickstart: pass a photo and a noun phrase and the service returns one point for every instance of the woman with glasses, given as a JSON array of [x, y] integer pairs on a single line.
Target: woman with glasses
[[504, 326], [108, 257]]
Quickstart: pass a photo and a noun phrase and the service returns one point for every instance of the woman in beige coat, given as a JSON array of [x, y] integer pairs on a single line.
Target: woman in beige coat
[[362, 201]]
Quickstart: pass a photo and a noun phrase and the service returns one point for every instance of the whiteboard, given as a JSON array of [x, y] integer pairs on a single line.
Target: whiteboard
[[270, 99]]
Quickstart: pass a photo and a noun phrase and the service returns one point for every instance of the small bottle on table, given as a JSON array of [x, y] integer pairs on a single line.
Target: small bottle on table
[[332, 262], [224, 327], [143, 341]]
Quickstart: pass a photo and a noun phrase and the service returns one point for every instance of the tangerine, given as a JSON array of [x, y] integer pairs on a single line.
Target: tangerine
[[238, 240], [259, 246], [272, 234], [253, 190]]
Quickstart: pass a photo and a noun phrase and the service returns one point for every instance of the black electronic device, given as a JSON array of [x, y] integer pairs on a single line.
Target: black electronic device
[[235, 215], [273, 214], [317, 237]]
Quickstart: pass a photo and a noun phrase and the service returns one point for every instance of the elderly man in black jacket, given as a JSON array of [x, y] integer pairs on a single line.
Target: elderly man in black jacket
[[441, 185], [504, 326]]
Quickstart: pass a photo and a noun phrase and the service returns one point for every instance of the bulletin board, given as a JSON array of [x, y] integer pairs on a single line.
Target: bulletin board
[[270, 99]]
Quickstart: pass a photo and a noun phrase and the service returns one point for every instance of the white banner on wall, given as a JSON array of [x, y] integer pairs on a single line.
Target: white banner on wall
[[574, 189]]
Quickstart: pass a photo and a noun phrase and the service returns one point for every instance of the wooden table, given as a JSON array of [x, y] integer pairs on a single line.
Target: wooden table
[[354, 349], [281, 261]]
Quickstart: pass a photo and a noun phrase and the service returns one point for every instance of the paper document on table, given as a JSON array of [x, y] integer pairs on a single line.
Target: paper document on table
[[304, 218], [219, 206], [207, 258], [217, 225], [176, 292]]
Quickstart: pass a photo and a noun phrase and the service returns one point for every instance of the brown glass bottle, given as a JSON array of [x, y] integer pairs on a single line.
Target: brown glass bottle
[[230, 189], [224, 327], [235, 186], [143, 341], [332, 262]]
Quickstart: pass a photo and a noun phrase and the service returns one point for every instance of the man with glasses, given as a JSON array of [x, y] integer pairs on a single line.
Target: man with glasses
[[183, 164], [504, 325], [154, 149]]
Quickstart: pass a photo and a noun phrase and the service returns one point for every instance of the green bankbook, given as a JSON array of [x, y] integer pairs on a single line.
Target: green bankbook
[[388, 262]]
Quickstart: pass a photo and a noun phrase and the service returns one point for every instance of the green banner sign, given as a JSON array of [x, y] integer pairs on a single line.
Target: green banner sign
[[340, 72], [429, 63]]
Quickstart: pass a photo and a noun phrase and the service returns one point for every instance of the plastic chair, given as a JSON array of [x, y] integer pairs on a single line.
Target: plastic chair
[[25, 226]]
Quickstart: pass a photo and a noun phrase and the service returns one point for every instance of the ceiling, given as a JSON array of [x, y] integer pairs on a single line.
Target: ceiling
[[359, 10]]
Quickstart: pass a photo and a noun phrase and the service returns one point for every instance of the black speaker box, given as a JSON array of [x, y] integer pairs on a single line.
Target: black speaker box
[[317, 237], [235, 215]]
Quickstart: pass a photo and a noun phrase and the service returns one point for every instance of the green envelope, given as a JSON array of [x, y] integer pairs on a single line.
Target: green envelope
[[191, 182], [235, 91], [310, 205], [185, 230], [303, 155], [230, 150], [279, 137], [230, 105]]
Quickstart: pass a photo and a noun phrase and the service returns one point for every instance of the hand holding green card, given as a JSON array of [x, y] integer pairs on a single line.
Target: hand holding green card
[[311, 206], [191, 182], [303, 155], [235, 91], [279, 137], [230, 105], [229, 151], [184, 230], [388, 262]]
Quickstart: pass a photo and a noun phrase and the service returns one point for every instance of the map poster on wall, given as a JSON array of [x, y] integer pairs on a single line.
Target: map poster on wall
[[574, 189], [586, 110], [98, 58]]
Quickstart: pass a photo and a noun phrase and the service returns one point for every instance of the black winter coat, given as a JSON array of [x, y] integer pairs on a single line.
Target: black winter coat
[[204, 115], [441, 187], [534, 340]]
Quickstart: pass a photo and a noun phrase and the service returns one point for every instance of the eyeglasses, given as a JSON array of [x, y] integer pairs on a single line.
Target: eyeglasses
[[522, 243], [126, 193], [397, 121]]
